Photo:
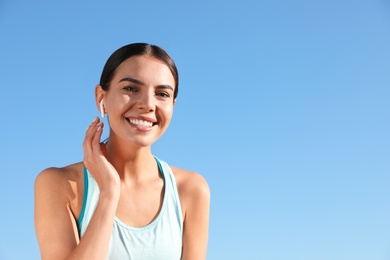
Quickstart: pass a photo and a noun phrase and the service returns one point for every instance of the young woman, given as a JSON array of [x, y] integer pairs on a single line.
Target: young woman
[[122, 202]]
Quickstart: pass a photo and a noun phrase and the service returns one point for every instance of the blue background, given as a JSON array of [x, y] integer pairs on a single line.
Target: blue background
[[283, 107]]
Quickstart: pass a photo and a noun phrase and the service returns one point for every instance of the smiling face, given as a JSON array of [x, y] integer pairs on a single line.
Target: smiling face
[[140, 100]]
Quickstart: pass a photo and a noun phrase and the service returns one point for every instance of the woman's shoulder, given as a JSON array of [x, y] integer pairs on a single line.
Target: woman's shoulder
[[194, 194], [190, 183], [70, 173], [56, 179]]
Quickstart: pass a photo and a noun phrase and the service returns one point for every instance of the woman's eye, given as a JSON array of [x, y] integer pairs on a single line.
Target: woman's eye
[[163, 94], [131, 89]]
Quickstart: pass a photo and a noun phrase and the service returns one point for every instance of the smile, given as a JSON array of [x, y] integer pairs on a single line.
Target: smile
[[142, 123]]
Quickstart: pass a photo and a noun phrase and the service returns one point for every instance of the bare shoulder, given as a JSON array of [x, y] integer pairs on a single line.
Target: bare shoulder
[[193, 189], [58, 176], [57, 203], [190, 182], [66, 182]]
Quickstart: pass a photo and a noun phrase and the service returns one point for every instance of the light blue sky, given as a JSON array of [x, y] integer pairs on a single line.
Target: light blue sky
[[283, 107]]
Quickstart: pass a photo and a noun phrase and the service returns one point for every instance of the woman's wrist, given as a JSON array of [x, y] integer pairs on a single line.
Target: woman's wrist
[[109, 194]]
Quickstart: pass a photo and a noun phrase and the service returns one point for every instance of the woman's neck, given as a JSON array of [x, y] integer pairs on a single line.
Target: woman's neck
[[133, 164]]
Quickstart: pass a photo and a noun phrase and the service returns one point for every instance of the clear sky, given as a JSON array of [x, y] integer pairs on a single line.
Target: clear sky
[[283, 107]]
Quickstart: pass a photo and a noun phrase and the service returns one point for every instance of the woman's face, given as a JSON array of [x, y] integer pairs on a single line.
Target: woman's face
[[139, 102]]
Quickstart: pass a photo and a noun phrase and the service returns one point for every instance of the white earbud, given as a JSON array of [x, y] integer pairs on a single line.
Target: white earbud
[[101, 108]]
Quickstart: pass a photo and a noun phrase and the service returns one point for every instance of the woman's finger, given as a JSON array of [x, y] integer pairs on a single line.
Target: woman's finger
[[89, 136], [96, 138]]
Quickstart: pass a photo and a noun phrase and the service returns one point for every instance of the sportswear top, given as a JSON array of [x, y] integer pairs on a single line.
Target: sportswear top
[[161, 239]]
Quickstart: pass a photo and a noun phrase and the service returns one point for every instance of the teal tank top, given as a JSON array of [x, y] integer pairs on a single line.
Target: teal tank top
[[161, 239]]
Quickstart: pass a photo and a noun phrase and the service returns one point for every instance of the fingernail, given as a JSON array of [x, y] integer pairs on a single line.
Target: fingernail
[[99, 125]]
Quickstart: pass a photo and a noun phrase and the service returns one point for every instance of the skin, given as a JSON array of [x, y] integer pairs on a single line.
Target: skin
[[131, 187]]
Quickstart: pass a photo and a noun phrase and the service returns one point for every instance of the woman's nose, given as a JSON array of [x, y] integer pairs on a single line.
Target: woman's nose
[[146, 101]]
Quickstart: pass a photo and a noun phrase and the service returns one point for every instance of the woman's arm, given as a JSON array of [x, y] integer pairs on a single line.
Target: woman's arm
[[194, 195], [55, 224], [56, 227]]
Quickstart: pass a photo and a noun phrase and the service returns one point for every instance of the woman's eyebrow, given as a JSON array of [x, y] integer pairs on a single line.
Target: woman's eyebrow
[[164, 87], [136, 81]]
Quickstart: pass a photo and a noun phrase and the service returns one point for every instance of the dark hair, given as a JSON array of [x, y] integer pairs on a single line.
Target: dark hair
[[135, 49]]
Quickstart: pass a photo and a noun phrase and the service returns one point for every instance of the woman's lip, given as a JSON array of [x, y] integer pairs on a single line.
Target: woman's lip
[[141, 127], [143, 118]]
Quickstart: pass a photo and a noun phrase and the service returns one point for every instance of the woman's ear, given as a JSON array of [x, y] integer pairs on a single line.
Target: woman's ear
[[99, 97]]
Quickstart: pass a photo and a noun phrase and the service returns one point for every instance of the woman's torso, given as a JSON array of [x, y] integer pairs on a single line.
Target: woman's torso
[[160, 238]]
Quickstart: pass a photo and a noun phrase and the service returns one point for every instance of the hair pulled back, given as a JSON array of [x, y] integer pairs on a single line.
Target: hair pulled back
[[135, 49]]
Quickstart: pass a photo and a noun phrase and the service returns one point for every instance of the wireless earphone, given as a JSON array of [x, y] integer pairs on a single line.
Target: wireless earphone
[[101, 108]]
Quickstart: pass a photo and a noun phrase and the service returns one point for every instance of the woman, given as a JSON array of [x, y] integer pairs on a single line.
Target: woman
[[122, 202]]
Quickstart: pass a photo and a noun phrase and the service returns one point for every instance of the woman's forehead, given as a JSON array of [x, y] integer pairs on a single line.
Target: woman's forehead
[[143, 67]]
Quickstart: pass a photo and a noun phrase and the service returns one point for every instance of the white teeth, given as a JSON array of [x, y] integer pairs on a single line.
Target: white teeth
[[141, 122]]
